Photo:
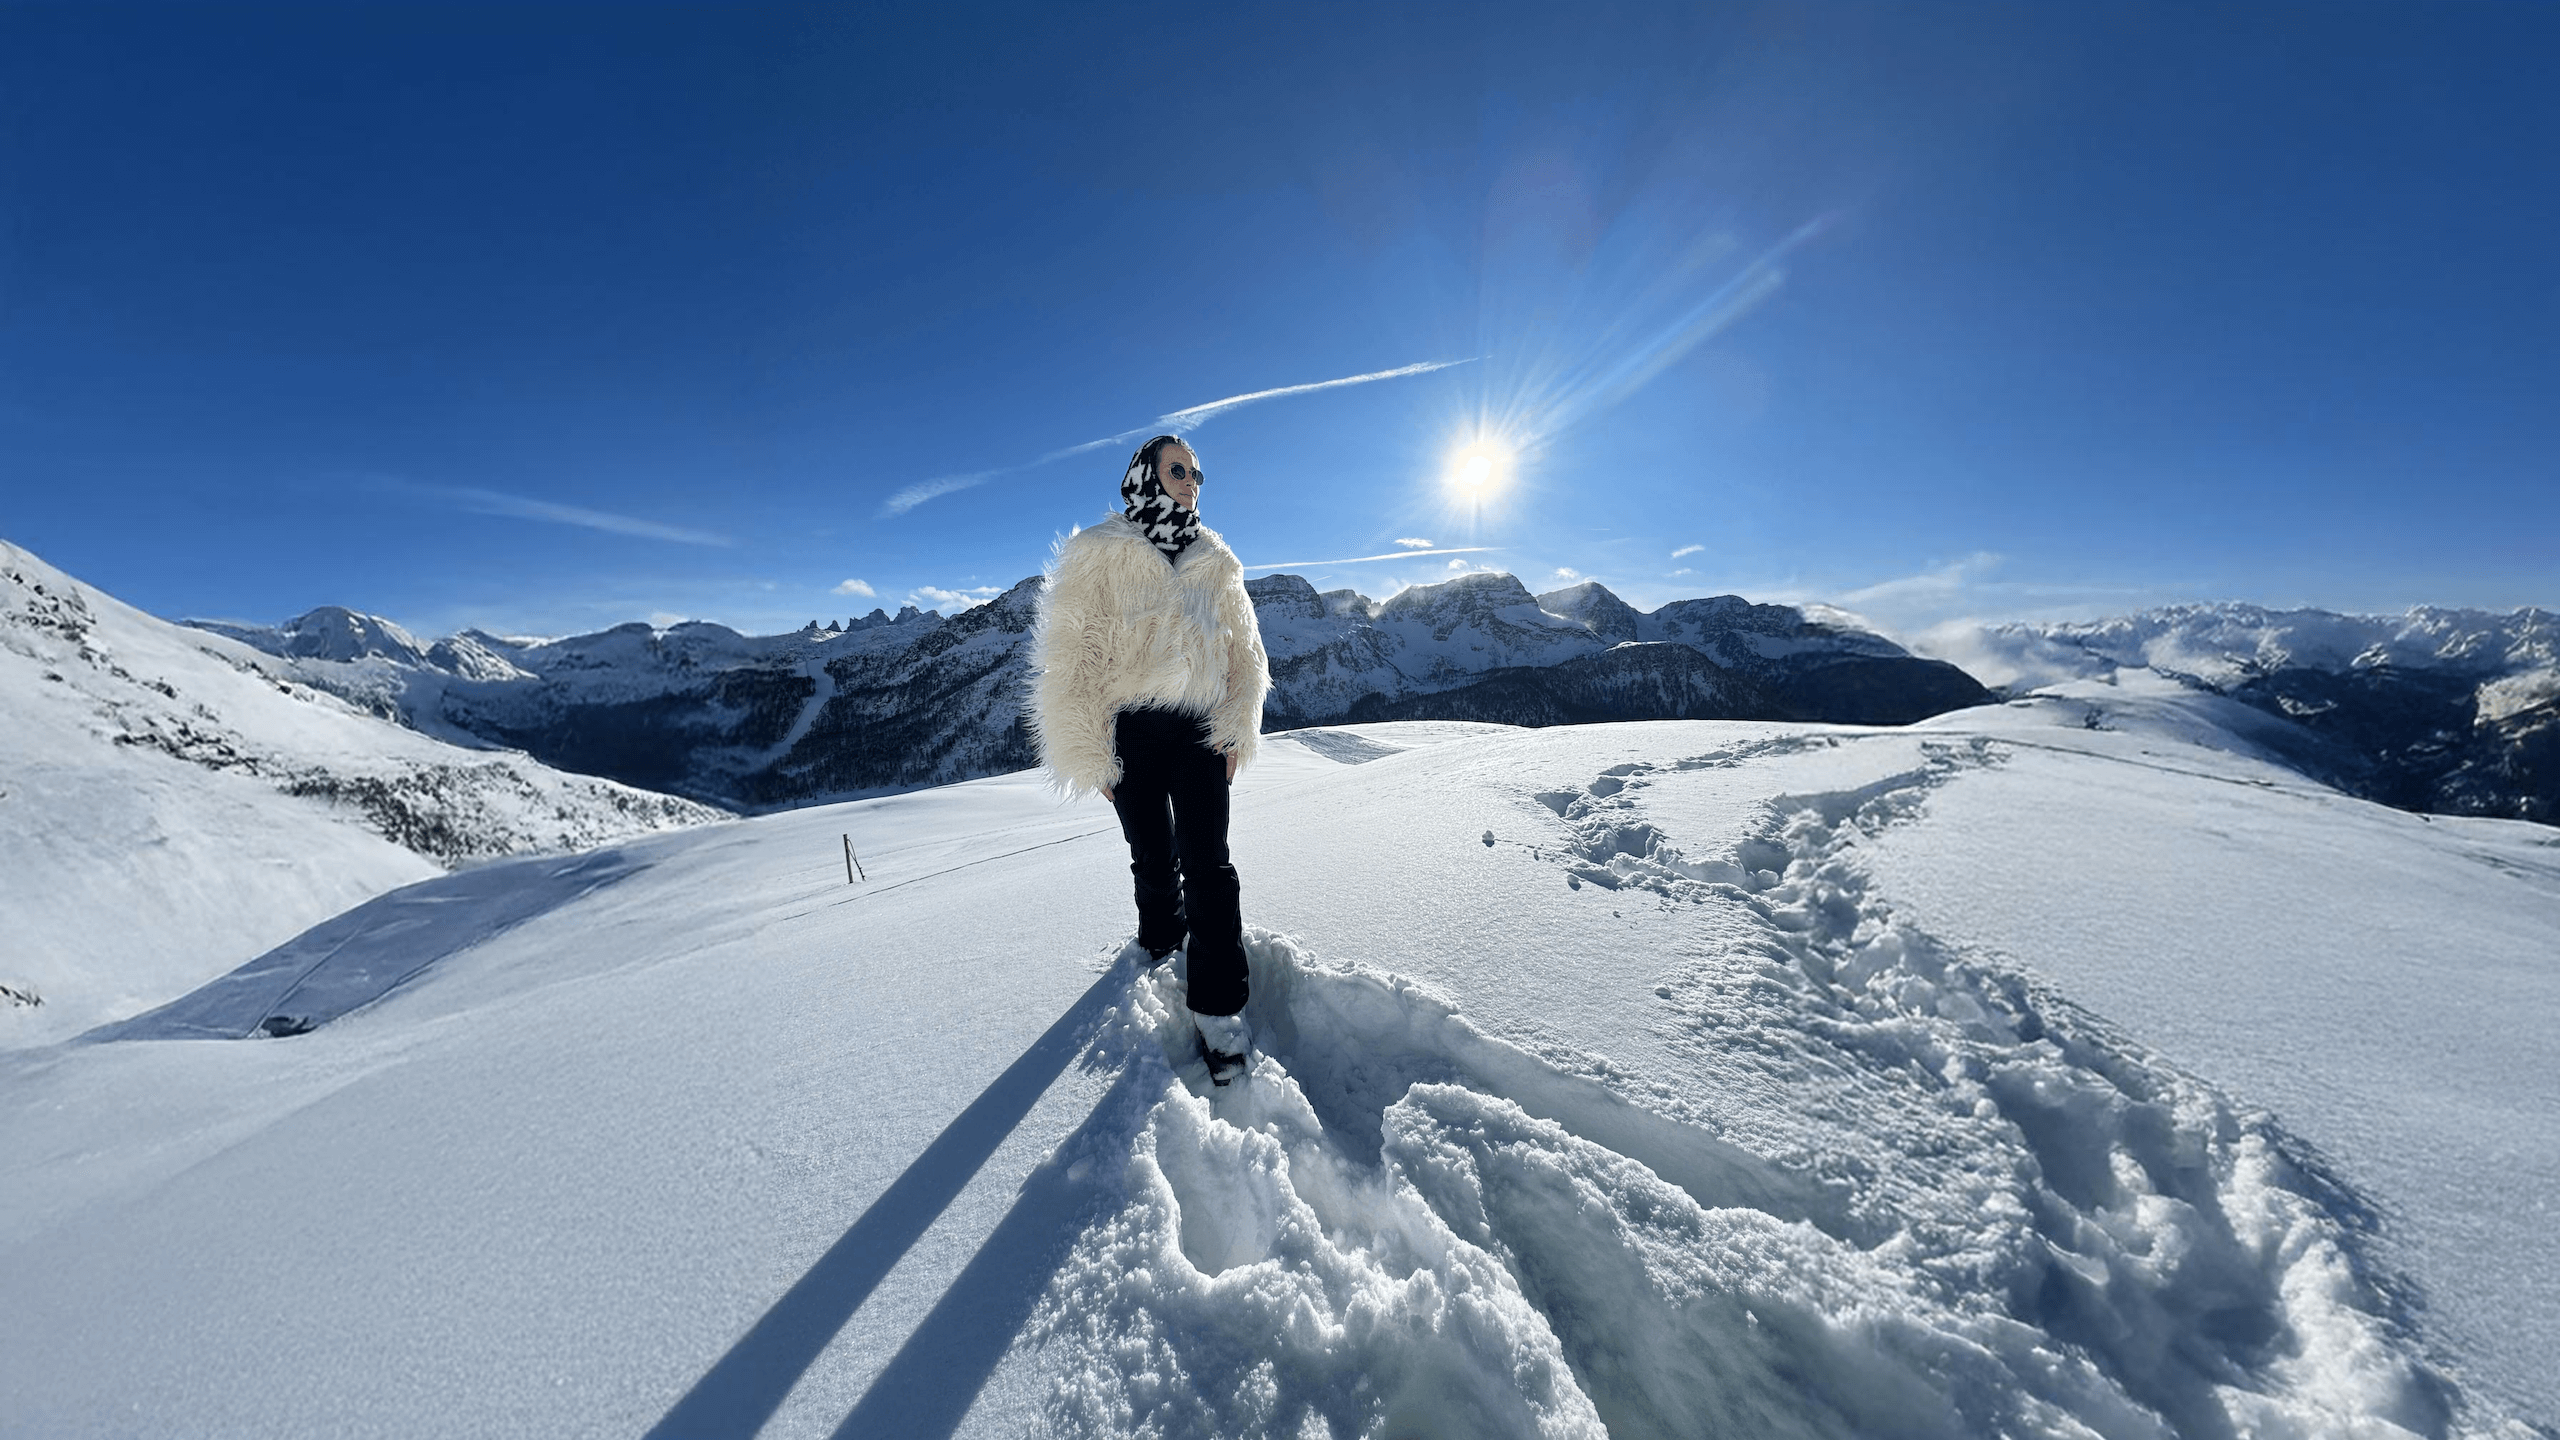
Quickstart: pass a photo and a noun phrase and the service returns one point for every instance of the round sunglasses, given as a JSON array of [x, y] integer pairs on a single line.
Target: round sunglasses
[[1179, 473]]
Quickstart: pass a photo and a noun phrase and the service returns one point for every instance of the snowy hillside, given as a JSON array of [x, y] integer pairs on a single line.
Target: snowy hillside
[[894, 702], [171, 805], [2446, 711], [1998, 1076]]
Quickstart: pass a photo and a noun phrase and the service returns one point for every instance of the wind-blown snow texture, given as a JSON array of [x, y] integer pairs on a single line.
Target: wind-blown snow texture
[[1673, 1078], [919, 699], [172, 804]]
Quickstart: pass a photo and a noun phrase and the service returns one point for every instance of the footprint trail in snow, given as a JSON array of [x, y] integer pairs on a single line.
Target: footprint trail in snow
[[1897, 1191]]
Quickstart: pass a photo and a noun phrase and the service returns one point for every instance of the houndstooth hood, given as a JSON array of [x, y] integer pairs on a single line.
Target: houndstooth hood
[[1167, 526]]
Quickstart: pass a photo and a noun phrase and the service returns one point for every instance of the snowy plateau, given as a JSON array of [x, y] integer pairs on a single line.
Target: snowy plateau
[[2077, 1065]]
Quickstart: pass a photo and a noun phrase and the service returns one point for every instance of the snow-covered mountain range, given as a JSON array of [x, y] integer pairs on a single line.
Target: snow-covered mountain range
[[892, 702], [172, 803], [2449, 711], [2442, 711]]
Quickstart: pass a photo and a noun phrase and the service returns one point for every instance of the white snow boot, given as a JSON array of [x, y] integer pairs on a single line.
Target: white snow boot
[[1224, 1041]]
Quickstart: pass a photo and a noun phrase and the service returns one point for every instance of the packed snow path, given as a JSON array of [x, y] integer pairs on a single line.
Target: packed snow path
[[1605, 1081]]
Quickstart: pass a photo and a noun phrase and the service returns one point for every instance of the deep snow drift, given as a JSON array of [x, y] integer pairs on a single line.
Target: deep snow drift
[[1672, 1078]]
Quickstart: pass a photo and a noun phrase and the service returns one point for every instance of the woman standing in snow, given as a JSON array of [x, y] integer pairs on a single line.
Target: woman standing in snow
[[1147, 690]]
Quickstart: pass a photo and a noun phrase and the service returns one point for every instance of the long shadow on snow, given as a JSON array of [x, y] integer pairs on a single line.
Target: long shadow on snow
[[928, 1386], [360, 955], [743, 1389]]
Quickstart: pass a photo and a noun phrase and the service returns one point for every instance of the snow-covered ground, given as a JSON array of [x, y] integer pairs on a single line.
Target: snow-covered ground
[[172, 805], [1998, 1076]]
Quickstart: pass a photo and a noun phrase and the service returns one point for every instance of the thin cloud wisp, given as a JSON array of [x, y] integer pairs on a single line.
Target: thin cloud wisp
[[1178, 422], [522, 507]]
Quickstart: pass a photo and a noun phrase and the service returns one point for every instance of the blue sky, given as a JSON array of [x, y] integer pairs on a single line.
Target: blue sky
[[546, 318]]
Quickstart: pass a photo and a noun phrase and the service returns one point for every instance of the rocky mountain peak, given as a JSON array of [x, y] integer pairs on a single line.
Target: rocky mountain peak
[[1481, 593], [1597, 608], [1012, 611], [470, 656], [334, 633], [331, 632], [1285, 597]]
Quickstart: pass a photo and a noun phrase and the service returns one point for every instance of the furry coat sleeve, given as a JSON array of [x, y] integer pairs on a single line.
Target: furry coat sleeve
[[1119, 629]]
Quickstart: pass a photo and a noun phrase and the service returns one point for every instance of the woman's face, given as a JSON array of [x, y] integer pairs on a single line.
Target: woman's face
[[1179, 474]]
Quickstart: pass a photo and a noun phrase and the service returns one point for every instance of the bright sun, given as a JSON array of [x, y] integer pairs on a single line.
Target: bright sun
[[1478, 467]]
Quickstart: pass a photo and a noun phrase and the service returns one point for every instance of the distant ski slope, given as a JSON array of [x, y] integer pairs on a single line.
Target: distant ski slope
[[1678, 1078]]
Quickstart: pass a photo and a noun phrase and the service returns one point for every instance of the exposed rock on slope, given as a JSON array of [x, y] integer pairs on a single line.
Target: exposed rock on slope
[[945, 707]]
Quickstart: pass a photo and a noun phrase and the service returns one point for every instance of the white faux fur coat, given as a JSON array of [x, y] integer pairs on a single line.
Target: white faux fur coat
[[1120, 629]]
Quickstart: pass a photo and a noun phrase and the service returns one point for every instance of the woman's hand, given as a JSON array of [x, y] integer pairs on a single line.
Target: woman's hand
[[1106, 796]]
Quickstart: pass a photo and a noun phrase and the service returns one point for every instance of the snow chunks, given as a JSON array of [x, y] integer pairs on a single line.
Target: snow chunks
[[1260, 1280], [1381, 1234]]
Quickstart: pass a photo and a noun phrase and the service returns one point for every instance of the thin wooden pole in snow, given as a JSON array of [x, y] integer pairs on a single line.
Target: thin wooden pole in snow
[[852, 863]]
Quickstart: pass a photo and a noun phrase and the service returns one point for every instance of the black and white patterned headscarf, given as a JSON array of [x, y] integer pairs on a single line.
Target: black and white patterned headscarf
[[1168, 526]]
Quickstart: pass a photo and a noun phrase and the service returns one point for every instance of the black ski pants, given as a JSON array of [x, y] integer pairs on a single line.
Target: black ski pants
[[1172, 799]]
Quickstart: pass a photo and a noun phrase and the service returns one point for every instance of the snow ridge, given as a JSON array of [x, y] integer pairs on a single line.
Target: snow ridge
[[188, 786]]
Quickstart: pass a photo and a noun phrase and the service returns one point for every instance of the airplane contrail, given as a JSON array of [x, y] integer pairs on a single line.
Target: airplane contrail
[[1365, 559], [1178, 422], [1183, 419], [525, 507]]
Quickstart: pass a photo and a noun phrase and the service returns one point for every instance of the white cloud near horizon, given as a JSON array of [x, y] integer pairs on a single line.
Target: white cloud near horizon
[[1178, 422], [952, 602], [524, 507], [855, 587], [1953, 611]]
